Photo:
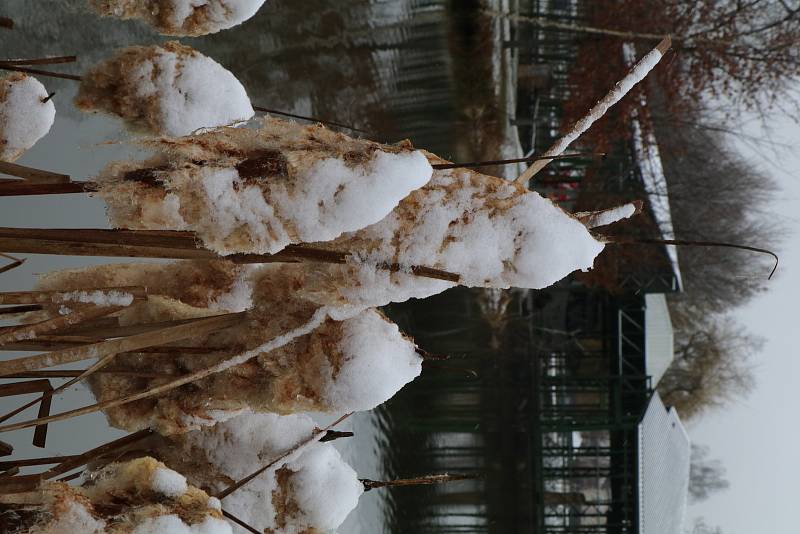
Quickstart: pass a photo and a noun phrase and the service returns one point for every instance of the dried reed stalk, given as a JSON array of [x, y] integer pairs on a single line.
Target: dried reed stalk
[[634, 76], [31, 175], [193, 328], [168, 244], [418, 481]]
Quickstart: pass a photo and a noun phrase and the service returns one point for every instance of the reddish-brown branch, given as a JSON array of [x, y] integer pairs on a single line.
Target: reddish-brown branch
[[40, 61]]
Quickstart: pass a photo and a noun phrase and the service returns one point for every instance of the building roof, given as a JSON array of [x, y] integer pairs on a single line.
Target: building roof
[[648, 158], [659, 343], [664, 456]]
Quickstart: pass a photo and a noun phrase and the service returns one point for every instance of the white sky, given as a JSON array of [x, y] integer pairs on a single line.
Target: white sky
[[758, 437]]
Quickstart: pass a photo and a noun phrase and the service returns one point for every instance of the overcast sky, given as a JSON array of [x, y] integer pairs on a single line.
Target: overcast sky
[[758, 438]]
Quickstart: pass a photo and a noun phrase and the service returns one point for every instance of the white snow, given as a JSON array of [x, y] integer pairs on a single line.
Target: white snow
[[378, 361], [606, 217], [190, 92], [24, 117], [172, 524], [97, 297], [321, 203], [218, 14], [169, 483], [324, 487]]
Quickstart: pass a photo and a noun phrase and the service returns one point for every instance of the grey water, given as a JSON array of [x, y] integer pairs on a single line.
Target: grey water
[[423, 70]]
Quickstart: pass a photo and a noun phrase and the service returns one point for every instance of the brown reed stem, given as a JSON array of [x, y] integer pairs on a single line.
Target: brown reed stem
[[80, 459], [239, 522], [15, 262], [418, 481], [52, 60], [8, 66], [170, 244], [31, 175]]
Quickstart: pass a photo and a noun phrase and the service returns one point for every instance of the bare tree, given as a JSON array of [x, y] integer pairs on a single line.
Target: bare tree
[[706, 476], [716, 195], [712, 364], [746, 50]]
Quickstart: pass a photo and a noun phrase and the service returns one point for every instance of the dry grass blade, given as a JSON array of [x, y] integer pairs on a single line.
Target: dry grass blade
[[636, 74], [43, 297], [11, 334], [25, 388], [19, 484], [80, 459], [15, 262], [27, 462], [31, 175], [314, 437], [197, 327]]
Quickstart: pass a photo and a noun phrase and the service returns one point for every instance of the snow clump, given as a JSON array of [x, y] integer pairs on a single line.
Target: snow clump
[[181, 17], [26, 114], [166, 89]]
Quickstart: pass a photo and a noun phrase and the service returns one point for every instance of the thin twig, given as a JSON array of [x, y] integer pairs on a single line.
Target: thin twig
[[313, 119], [634, 76], [239, 522], [314, 436], [489, 163], [688, 243]]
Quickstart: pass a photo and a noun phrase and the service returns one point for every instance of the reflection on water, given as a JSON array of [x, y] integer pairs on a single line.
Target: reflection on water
[[432, 71]]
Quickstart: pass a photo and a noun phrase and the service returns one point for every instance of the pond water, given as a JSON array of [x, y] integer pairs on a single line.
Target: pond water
[[433, 71]]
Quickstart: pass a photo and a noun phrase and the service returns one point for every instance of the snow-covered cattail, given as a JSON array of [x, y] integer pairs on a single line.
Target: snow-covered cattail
[[141, 496], [256, 191], [181, 17], [167, 89], [491, 232], [312, 489], [26, 114]]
